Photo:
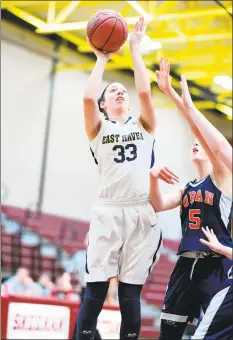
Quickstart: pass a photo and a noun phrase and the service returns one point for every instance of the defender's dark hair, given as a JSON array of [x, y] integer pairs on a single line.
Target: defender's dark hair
[[102, 99]]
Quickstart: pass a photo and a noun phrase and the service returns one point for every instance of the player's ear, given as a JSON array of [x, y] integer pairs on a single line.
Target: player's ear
[[102, 105]]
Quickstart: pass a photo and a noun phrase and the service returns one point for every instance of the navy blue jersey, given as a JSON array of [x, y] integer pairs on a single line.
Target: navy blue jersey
[[203, 204]]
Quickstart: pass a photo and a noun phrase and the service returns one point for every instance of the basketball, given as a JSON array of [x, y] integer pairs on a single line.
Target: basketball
[[107, 30]]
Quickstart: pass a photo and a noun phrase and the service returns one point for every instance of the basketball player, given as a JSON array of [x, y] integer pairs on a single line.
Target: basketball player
[[217, 321], [123, 238], [206, 201]]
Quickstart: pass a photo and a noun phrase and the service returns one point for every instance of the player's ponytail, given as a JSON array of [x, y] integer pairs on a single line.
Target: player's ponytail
[[102, 99]]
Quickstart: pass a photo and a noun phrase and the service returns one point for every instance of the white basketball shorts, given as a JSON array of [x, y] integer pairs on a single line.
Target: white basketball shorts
[[124, 242]]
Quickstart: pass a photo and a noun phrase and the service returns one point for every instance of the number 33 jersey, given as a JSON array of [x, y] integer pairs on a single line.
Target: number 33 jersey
[[203, 204], [124, 155]]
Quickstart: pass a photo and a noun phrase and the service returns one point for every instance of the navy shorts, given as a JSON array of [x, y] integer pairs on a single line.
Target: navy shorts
[[192, 285], [217, 322]]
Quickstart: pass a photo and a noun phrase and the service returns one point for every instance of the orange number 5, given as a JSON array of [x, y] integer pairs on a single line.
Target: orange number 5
[[195, 221]]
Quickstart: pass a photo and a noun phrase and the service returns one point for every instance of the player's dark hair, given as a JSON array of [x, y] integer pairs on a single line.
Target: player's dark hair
[[102, 99]]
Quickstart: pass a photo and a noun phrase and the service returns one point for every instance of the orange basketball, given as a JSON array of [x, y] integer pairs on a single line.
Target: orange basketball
[[107, 30]]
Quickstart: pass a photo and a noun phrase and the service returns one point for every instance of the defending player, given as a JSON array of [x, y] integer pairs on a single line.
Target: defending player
[[123, 238], [217, 321], [206, 201]]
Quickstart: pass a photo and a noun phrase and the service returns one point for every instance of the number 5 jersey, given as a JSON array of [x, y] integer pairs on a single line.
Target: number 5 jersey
[[124, 155], [203, 204]]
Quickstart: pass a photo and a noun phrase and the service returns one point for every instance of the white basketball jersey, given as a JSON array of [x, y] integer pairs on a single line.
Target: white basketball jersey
[[124, 155]]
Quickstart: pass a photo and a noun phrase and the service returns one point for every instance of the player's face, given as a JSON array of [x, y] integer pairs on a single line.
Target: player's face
[[116, 97], [197, 152]]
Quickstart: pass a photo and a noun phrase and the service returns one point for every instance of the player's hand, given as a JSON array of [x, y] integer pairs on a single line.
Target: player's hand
[[99, 54], [138, 33], [163, 75], [186, 97], [213, 243], [164, 174]]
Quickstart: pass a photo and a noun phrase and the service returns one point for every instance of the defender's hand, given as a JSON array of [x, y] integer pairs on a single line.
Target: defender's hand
[[213, 242], [138, 33], [163, 75], [164, 174]]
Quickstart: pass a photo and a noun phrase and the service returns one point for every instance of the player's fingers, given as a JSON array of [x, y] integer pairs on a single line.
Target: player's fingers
[[136, 26], [172, 173], [204, 231], [183, 79], [161, 64], [173, 178], [167, 65], [140, 24], [141, 21], [162, 178], [143, 25], [183, 82], [165, 178], [205, 242]]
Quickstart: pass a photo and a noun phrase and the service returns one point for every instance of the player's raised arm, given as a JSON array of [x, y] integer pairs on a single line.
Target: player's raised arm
[[142, 81], [210, 138], [159, 201], [91, 94], [215, 140]]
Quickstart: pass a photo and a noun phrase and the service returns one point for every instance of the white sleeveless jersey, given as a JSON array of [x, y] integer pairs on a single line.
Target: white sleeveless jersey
[[124, 155]]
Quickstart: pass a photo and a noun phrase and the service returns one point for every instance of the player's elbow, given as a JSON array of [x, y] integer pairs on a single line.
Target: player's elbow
[[87, 99], [144, 94]]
